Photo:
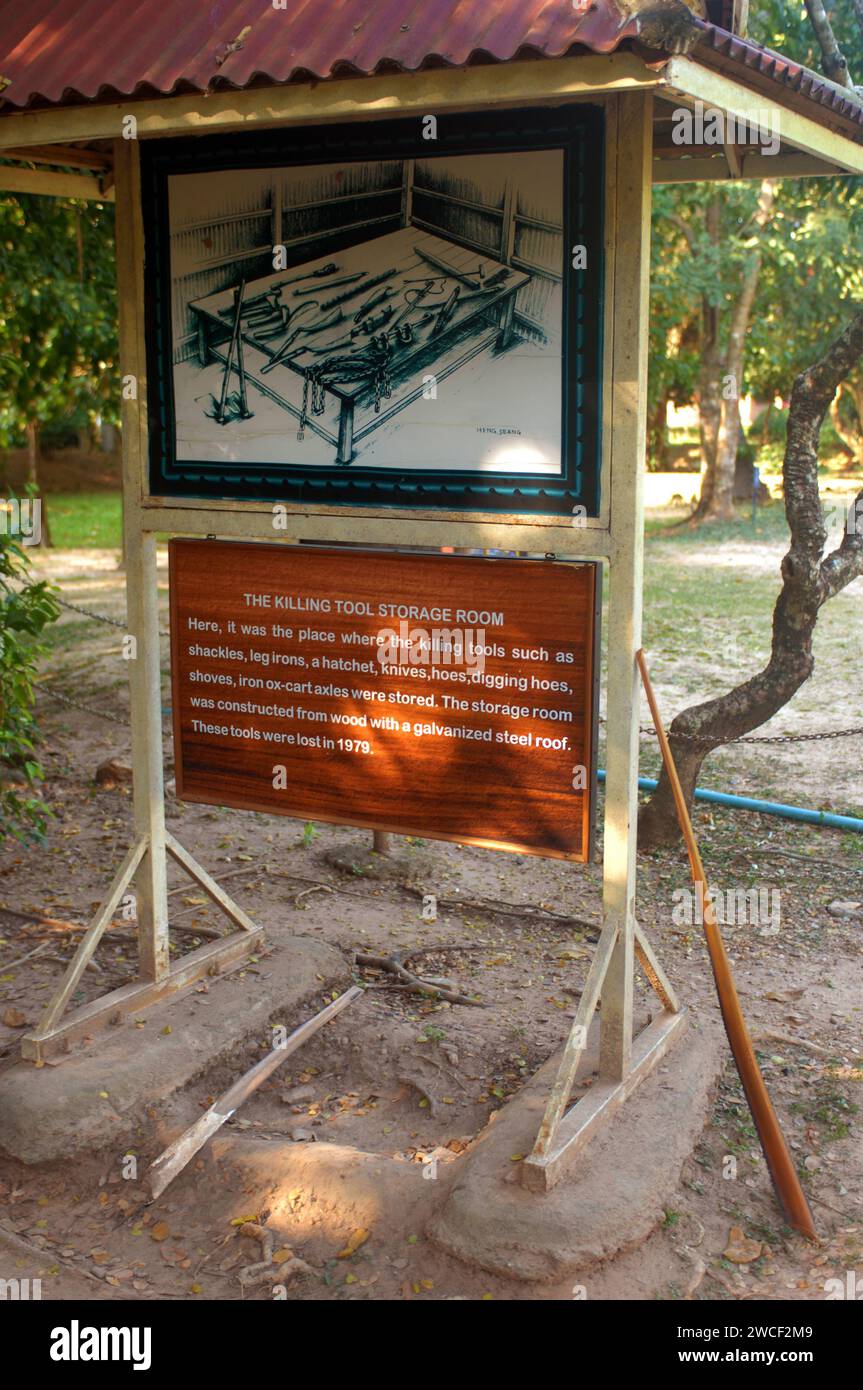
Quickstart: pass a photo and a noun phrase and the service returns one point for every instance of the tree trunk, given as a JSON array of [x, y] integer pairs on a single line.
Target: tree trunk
[[656, 433], [717, 494], [808, 581], [744, 469], [33, 477], [850, 440], [709, 384], [835, 66]]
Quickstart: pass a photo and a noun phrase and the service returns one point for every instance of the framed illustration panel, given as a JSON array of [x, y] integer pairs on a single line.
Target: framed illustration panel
[[394, 314]]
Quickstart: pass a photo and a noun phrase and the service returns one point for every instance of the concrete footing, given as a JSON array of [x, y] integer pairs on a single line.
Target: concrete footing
[[615, 1194], [94, 1097]]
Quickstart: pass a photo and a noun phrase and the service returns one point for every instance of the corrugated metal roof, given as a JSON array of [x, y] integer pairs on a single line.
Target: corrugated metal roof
[[63, 50], [69, 51], [731, 53]]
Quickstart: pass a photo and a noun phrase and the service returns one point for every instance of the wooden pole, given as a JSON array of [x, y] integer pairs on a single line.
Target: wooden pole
[[165, 1168], [631, 151], [785, 1180], [141, 593]]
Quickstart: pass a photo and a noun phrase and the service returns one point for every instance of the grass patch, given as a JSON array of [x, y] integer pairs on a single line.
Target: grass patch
[[828, 1108], [86, 520]]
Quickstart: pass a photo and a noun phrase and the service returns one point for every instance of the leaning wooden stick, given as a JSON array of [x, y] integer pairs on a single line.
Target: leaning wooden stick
[[785, 1180], [166, 1167]]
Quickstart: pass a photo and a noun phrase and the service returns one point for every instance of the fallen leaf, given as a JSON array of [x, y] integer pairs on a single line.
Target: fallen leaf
[[741, 1250], [160, 1231], [355, 1240]]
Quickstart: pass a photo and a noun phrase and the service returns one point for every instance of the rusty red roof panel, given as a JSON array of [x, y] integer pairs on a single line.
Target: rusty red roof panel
[[64, 50], [68, 51]]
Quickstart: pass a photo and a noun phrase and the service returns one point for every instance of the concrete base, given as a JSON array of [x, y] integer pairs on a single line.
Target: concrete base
[[61, 1109], [617, 1190]]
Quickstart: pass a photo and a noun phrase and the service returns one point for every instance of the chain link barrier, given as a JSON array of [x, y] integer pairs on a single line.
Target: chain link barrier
[[855, 731], [77, 704], [100, 617]]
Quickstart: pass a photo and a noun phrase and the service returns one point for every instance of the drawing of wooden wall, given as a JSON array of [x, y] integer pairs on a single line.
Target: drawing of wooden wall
[[505, 225], [308, 211], [229, 234]]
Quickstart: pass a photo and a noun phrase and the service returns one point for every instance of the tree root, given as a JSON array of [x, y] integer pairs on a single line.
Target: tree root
[[393, 964]]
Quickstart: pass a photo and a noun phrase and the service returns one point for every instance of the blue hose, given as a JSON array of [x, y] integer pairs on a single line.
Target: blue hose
[[767, 808]]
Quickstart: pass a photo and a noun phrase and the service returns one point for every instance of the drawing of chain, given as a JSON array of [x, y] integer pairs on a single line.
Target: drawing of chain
[[304, 413]]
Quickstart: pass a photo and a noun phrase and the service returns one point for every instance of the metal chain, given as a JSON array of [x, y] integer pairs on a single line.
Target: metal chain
[[803, 738], [88, 709], [97, 617], [766, 738], [101, 617], [853, 732], [88, 613]]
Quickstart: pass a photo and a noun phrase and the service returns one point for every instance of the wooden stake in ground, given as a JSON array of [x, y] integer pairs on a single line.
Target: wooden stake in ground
[[785, 1180], [185, 1146]]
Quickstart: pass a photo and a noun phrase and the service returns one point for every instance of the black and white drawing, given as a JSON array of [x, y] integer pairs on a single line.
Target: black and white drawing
[[359, 314], [343, 358]]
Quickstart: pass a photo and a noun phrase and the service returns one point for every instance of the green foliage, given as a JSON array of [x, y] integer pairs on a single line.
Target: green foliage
[[784, 26], [58, 312], [811, 274], [26, 609]]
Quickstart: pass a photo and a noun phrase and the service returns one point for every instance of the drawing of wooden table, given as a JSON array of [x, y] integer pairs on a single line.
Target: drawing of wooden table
[[390, 313]]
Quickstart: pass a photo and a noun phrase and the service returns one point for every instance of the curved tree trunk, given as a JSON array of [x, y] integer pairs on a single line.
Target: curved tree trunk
[[808, 581], [717, 494]]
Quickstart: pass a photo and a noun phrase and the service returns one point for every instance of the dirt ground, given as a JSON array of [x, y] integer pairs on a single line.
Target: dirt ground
[[399, 1077]]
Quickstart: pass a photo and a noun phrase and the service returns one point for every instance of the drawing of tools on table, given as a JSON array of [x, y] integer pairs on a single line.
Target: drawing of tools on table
[[321, 273], [235, 406], [359, 283], [342, 280], [475, 280], [371, 327], [330, 321], [266, 308]]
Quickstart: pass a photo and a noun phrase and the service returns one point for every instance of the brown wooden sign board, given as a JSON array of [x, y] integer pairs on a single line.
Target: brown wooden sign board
[[433, 695]]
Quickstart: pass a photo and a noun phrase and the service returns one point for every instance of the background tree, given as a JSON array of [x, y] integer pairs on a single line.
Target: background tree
[[58, 317], [709, 249], [748, 281], [809, 579]]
